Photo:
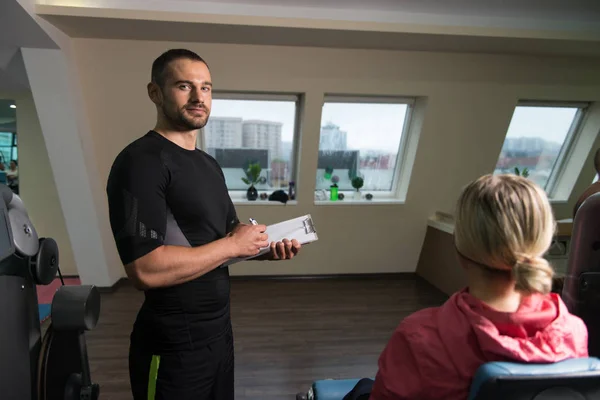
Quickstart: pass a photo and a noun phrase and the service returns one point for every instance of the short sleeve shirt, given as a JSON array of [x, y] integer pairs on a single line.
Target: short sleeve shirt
[[162, 194]]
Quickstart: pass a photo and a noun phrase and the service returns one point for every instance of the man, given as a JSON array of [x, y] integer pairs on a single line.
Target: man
[[174, 226], [593, 188]]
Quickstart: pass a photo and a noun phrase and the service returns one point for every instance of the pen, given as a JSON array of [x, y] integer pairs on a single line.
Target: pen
[[253, 221]]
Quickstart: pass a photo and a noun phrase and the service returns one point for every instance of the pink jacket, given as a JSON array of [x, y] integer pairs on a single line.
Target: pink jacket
[[434, 353]]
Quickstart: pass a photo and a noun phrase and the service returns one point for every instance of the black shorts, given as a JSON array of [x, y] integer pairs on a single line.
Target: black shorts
[[205, 373]]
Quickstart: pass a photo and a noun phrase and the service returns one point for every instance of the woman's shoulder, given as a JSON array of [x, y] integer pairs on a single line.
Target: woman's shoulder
[[428, 316], [419, 326], [567, 319]]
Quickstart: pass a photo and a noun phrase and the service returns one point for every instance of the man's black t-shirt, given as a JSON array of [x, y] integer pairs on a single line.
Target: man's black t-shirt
[[162, 194]]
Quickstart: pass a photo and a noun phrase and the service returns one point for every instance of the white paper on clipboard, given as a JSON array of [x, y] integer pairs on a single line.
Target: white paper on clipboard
[[301, 228]]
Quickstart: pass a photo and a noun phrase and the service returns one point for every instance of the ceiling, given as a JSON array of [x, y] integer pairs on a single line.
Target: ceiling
[[5, 111], [536, 27], [17, 29], [7, 115], [551, 13], [461, 7], [85, 27]]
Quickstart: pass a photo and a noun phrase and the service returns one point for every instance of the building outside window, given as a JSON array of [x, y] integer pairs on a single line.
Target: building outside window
[[253, 129]]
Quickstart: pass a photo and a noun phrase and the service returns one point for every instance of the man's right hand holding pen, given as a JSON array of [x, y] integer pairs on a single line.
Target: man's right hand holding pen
[[247, 240]]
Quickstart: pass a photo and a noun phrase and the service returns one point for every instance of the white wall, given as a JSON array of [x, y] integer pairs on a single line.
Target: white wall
[[76, 183], [469, 102]]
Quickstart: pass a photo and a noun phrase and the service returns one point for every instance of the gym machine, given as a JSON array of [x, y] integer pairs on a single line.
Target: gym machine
[[32, 367], [581, 290]]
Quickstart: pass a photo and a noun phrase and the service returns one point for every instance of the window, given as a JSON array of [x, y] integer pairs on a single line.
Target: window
[[362, 137], [538, 139], [253, 129], [8, 147]]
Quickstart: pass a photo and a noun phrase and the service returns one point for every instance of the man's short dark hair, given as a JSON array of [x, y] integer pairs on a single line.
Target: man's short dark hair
[[160, 65]]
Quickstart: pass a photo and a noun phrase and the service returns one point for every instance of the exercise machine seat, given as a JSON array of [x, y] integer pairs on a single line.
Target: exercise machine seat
[[581, 289], [572, 379]]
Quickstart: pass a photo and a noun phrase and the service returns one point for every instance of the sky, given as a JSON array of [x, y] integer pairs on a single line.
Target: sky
[[378, 126], [549, 123]]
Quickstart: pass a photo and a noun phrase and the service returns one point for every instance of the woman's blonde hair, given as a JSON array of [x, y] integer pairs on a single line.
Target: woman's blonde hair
[[505, 222]]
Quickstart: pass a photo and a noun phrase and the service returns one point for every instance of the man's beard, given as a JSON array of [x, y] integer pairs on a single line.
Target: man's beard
[[182, 121]]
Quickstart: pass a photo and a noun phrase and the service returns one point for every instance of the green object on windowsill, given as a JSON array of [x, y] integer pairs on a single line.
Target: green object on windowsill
[[357, 182], [333, 192], [334, 188], [252, 172]]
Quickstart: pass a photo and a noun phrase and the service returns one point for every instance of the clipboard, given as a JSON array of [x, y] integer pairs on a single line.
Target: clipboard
[[301, 228]]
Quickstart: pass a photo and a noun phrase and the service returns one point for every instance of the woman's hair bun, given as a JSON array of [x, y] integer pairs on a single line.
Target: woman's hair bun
[[532, 274]]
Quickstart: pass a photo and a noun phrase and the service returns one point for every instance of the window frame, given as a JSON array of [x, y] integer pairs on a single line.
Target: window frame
[[570, 139], [238, 195], [382, 196]]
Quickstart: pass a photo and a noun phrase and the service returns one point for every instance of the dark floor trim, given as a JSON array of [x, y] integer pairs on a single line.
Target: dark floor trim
[[369, 276], [240, 278]]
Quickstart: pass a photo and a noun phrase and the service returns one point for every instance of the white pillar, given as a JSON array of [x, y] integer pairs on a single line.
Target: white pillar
[[54, 87]]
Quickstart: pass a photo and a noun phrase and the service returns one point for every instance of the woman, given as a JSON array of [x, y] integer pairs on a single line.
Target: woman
[[504, 225]]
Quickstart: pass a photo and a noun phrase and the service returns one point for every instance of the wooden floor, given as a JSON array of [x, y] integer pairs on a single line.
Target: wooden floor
[[287, 332]]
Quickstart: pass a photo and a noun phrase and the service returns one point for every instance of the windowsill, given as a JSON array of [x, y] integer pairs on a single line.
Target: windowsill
[[259, 202], [442, 221], [352, 202]]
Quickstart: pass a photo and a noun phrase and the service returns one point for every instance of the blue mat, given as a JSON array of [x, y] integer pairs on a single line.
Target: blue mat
[[44, 310]]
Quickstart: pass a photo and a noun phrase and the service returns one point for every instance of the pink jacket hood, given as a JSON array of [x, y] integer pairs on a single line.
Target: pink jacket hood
[[541, 331], [435, 352]]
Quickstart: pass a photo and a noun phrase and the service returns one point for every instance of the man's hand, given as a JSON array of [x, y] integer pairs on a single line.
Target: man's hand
[[248, 239], [284, 250]]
